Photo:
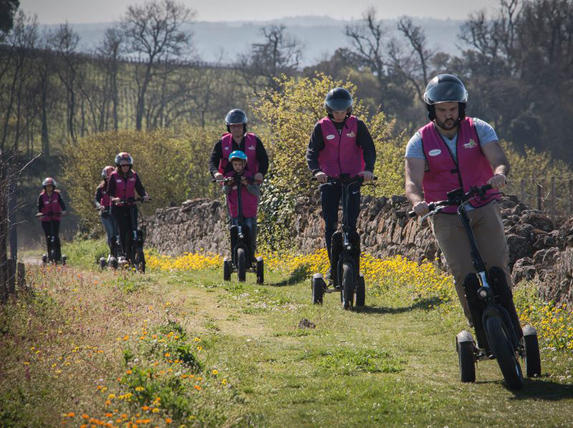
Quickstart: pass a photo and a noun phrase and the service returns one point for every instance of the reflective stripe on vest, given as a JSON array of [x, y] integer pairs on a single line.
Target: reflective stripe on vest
[[443, 175], [250, 141], [340, 155]]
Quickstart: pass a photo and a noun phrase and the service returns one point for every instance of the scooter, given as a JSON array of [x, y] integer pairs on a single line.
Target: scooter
[[242, 255], [54, 255], [134, 255], [492, 310], [344, 257]]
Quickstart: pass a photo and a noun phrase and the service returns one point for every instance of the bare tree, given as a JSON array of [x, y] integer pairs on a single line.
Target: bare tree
[[369, 42], [21, 41], [414, 64], [154, 34], [64, 42], [279, 54], [110, 53]]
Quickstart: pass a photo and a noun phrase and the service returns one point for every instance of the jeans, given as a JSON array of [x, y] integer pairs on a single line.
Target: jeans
[[331, 196], [252, 223], [110, 226]]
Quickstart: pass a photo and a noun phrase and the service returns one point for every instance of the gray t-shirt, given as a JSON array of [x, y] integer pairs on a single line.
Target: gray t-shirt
[[485, 132]]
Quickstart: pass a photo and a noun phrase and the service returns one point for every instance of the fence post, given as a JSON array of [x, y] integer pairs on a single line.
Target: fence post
[[571, 196], [522, 190], [11, 286], [540, 196], [553, 198], [21, 276]]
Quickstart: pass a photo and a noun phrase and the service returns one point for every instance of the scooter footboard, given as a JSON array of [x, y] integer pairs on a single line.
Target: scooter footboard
[[477, 307], [504, 296]]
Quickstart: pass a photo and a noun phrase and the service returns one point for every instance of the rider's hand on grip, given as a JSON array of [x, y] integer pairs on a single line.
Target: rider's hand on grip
[[321, 177]]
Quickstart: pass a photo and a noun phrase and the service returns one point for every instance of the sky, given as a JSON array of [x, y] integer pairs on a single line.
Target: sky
[[90, 11]]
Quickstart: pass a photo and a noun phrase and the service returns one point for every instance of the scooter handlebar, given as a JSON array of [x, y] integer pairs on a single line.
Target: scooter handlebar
[[455, 197]]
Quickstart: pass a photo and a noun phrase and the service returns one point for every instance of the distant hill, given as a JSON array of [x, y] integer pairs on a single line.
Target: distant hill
[[321, 36]]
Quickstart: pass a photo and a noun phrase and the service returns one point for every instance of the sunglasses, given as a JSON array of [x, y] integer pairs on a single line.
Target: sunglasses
[[124, 164]]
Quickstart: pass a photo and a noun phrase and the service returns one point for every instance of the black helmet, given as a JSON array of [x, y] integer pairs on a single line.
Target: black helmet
[[235, 117], [445, 88], [338, 99]]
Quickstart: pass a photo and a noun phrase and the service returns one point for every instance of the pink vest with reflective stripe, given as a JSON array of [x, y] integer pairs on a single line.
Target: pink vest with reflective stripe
[[443, 175], [105, 199], [340, 155], [51, 204], [124, 187], [250, 202], [250, 151]]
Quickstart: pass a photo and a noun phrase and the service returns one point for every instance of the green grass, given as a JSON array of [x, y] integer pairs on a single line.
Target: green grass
[[392, 363]]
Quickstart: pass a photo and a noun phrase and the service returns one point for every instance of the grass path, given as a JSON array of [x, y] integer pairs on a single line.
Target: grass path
[[391, 364]]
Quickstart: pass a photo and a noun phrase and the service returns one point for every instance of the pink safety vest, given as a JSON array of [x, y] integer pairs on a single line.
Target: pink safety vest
[[443, 175], [250, 151], [124, 187], [51, 204], [250, 202], [340, 155], [105, 199]]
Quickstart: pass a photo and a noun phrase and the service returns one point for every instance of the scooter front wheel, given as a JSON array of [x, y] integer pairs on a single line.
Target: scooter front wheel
[[241, 264], [532, 357], [500, 342], [348, 285]]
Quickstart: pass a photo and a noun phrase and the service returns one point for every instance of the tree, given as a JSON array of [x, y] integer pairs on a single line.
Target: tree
[[278, 55], [154, 33], [64, 42], [110, 54], [8, 10]]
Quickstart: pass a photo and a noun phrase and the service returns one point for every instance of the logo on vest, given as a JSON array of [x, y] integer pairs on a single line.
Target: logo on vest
[[119, 180], [351, 134], [434, 152], [330, 137], [227, 148], [132, 179], [252, 148], [470, 145]]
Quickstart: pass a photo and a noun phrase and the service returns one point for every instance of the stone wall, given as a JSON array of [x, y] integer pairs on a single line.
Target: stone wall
[[537, 248]]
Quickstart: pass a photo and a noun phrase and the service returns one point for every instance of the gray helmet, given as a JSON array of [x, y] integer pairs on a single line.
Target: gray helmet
[[236, 117], [338, 99], [445, 88]]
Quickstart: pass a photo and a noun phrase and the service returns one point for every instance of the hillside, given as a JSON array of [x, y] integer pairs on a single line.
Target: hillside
[[321, 36]]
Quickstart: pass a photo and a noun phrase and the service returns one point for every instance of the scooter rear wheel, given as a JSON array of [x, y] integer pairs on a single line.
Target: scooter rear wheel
[[102, 263], [466, 360], [532, 358], [348, 284], [226, 270], [260, 270], [360, 299], [500, 342], [241, 264], [139, 260]]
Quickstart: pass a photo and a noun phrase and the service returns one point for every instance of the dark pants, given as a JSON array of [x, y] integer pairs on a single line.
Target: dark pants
[[251, 222], [331, 196], [48, 232], [122, 216]]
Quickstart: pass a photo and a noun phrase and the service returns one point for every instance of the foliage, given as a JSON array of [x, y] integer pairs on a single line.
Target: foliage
[[171, 169]]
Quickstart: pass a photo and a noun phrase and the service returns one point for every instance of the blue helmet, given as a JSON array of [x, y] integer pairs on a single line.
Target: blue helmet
[[238, 154]]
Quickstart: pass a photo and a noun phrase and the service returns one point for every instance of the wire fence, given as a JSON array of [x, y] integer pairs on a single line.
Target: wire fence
[[552, 196]]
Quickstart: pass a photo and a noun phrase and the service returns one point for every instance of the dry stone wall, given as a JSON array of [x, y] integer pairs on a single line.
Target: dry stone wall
[[538, 249]]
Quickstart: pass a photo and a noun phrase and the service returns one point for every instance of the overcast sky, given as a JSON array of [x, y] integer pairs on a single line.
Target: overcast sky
[[91, 11]]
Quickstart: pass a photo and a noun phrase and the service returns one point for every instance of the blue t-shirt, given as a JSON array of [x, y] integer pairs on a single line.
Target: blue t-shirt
[[485, 132]]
